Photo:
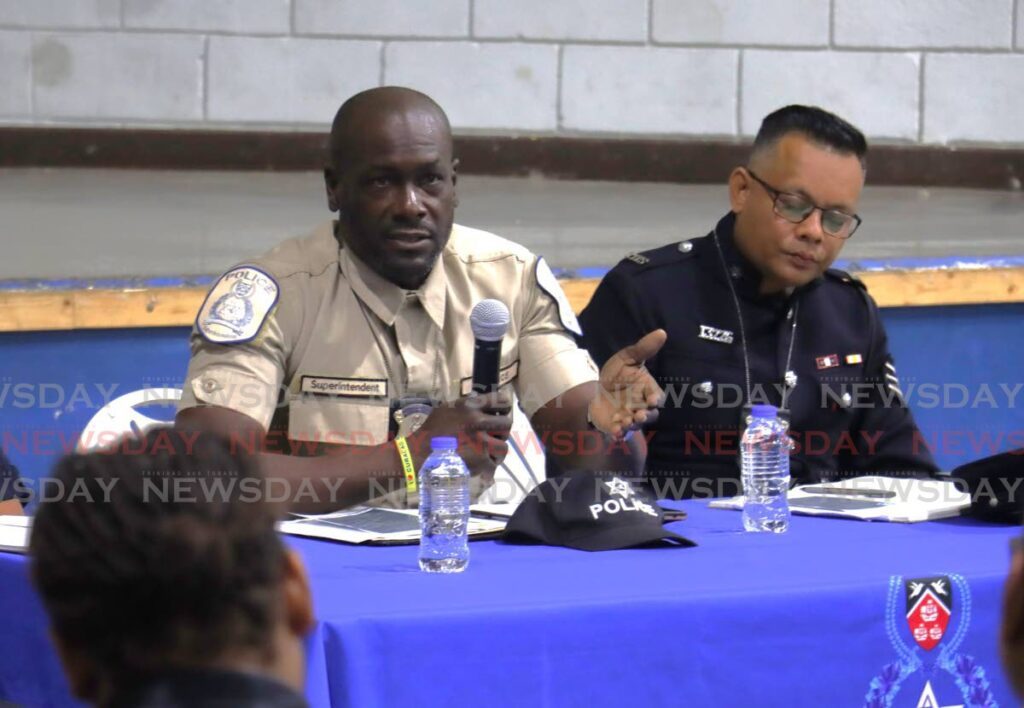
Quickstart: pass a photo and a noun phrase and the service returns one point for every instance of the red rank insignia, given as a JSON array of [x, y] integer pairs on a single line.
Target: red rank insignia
[[829, 361], [929, 607]]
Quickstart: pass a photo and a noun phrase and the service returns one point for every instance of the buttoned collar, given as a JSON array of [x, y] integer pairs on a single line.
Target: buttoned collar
[[384, 298], [744, 275]]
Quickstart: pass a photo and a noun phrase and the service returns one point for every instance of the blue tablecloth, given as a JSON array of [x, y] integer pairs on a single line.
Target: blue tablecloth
[[815, 617]]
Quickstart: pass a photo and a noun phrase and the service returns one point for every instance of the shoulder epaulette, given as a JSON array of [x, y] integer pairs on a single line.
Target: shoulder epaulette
[[663, 255], [843, 277]]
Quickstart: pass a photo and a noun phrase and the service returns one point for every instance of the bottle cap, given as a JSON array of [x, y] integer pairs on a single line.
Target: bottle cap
[[444, 443], [764, 411]]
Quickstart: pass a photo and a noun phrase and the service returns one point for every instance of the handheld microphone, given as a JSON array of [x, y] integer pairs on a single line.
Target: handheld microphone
[[489, 322]]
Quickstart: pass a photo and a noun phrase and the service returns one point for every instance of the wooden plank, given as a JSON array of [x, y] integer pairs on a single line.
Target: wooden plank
[[621, 159], [579, 290], [24, 311], [153, 307], [912, 288], [34, 311], [945, 287]]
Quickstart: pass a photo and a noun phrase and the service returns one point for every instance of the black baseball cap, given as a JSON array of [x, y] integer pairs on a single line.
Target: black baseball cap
[[993, 485], [590, 512]]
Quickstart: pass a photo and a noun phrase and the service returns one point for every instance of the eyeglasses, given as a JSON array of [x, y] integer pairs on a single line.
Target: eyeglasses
[[794, 209]]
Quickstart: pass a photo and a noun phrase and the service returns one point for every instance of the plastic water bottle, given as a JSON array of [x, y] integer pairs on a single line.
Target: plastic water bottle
[[444, 509], [764, 457]]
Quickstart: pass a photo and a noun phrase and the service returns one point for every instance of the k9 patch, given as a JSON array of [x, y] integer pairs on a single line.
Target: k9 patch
[[237, 306]]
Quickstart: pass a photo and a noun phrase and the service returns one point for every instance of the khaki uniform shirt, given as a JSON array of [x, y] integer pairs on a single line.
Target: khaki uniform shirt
[[309, 331]]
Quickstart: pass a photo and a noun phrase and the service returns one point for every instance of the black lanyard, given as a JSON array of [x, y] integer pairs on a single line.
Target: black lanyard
[[789, 377]]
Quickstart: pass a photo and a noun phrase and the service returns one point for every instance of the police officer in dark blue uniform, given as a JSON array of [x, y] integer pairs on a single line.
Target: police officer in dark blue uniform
[[12, 491], [754, 314]]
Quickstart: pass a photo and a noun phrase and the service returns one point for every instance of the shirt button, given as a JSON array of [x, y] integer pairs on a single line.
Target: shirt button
[[705, 387], [735, 272], [847, 400], [209, 385], [686, 246]]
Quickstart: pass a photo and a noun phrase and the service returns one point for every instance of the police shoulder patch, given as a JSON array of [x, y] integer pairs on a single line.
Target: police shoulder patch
[[549, 284], [237, 306]]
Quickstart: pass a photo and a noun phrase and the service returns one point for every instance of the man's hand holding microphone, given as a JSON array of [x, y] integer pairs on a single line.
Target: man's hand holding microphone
[[628, 395]]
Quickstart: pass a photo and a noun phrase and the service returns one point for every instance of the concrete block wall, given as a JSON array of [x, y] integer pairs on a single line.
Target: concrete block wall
[[928, 71]]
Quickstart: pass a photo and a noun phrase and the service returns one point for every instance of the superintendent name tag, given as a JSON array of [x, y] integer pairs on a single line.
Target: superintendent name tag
[[360, 388]]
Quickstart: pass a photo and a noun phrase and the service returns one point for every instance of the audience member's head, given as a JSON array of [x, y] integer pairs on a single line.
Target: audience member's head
[[162, 556], [1011, 636]]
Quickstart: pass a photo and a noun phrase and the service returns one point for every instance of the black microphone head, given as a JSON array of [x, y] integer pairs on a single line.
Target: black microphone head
[[489, 320]]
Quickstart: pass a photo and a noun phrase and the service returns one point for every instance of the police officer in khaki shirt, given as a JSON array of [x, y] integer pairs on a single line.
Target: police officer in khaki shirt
[[326, 336]]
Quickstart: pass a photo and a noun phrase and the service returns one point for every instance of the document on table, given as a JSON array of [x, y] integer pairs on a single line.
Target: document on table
[[377, 526], [14, 533], [873, 498]]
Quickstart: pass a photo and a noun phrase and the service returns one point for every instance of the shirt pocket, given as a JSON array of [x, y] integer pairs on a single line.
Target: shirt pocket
[[701, 394], [842, 391]]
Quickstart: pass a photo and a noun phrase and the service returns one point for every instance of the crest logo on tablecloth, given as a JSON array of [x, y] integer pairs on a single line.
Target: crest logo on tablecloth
[[929, 668], [929, 606]]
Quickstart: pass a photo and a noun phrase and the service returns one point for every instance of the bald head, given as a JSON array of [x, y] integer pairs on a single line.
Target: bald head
[[362, 112]]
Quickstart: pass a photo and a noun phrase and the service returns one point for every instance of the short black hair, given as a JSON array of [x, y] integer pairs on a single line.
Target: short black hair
[[141, 581], [820, 126]]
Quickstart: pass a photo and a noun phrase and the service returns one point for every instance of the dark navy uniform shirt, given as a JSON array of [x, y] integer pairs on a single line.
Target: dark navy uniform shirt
[[847, 413], [208, 688], [10, 484]]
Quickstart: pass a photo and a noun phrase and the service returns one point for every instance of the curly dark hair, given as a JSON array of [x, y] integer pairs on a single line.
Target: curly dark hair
[[161, 551]]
